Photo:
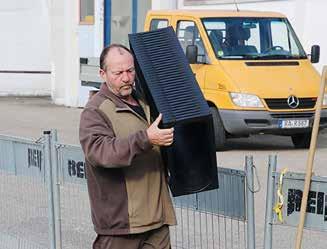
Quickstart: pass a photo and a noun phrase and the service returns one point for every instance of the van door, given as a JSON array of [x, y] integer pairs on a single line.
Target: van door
[[158, 22], [188, 34]]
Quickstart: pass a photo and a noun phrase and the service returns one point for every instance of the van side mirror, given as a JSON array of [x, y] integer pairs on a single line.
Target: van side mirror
[[192, 53], [315, 53]]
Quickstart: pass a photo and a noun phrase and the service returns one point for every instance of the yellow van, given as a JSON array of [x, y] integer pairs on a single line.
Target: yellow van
[[252, 70]]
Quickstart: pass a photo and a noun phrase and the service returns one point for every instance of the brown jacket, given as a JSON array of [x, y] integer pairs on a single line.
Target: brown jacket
[[125, 175]]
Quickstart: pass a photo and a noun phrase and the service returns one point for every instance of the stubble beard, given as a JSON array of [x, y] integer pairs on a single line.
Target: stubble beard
[[123, 92]]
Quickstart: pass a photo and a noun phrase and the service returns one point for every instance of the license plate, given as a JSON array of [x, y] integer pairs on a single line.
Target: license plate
[[302, 123]]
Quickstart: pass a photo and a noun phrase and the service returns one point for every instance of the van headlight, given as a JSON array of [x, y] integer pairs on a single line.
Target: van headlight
[[324, 102], [246, 100]]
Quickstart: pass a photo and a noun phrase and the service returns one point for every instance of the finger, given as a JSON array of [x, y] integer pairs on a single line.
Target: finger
[[168, 143], [168, 140], [167, 131], [171, 140], [158, 119], [167, 136]]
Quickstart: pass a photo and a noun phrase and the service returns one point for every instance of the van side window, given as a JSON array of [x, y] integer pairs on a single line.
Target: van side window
[[158, 24], [188, 34]]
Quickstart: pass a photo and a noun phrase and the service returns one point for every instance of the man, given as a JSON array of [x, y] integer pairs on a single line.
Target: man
[[130, 202]]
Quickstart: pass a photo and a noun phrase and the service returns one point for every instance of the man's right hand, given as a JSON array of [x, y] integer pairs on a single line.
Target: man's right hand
[[161, 137]]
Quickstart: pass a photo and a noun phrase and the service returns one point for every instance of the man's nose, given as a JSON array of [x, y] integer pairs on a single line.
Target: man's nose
[[125, 77]]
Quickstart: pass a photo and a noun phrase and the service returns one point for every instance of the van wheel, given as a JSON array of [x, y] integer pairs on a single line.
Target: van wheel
[[219, 130], [301, 141]]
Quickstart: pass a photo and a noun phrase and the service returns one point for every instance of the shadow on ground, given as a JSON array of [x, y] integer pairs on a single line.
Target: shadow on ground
[[268, 142]]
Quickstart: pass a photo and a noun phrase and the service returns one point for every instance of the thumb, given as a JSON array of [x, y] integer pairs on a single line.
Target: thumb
[[158, 119]]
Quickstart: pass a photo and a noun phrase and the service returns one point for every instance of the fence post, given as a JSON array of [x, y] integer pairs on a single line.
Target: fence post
[[250, 202], [269, 202], [49, 177], [56, 187]]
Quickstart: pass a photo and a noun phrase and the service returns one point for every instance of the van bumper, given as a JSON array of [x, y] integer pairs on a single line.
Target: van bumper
[[244, 123]]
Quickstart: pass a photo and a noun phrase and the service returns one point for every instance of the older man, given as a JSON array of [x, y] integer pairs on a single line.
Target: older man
[[130, 202]]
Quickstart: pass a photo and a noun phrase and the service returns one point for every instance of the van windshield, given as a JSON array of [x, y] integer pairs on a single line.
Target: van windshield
[[253, 38]]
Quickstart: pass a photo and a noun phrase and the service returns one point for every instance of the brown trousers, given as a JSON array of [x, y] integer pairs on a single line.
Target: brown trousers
[[154, 239]]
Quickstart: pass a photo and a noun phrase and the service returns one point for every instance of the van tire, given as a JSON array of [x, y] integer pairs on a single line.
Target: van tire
[[219, 130], [302, 140]]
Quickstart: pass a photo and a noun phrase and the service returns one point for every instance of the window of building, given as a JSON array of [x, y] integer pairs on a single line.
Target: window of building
[[86, 12], [158, 24]]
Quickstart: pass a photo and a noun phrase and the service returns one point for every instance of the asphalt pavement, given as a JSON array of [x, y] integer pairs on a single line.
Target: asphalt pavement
[[29, 117]]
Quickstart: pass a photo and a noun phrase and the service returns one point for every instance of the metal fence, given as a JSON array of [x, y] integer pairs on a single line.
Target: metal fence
[[24, 205], [44, 202], [282, 233]]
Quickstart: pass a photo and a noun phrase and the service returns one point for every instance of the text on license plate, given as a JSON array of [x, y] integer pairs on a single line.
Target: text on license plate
[[299, 123]]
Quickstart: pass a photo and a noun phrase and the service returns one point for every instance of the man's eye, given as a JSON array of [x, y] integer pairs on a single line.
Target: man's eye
[[117, 73], [132, 70]]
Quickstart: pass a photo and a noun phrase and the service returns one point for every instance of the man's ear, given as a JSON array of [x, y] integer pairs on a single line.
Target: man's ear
[[103, 75]]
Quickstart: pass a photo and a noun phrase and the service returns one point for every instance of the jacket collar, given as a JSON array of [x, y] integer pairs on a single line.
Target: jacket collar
[[104, 90]]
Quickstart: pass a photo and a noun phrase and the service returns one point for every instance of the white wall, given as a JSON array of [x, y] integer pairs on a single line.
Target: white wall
[[64, 51], [86, 49], [24, 46], [308, 18], [161, 5], [69, 42], [90, 44]]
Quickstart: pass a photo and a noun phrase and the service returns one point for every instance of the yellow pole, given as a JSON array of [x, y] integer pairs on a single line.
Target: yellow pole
[[312, 151]]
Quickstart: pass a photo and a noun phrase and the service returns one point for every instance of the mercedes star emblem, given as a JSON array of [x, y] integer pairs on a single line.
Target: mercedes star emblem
[[293, 101]]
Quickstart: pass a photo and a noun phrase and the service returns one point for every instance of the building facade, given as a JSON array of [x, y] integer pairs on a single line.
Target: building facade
[[24, 48], [42, 40]]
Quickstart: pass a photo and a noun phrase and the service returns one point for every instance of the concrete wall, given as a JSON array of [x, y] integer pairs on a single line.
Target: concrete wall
[[306, 16], [142, 10], [64, 51], [70, 41], [161, 5], [24, 48], [45, 36], [90, 44]]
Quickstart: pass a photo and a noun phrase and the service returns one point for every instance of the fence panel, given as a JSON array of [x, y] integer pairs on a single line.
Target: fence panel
[[23, 195], [76, 225], [283, 233], [212, 219]]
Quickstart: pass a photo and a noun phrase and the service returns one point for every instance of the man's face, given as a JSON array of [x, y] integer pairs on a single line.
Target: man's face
[[119, 72]]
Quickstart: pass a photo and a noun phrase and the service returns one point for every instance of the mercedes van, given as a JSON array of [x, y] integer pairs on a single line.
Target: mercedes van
[[252, 70]]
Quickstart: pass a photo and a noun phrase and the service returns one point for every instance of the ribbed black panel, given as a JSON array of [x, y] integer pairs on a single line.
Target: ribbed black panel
[[171, 89], [305, 103], [168, 75]]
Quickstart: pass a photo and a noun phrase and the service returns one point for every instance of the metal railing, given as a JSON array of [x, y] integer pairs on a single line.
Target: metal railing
[[24, 205], [282, 233], [44, 201]]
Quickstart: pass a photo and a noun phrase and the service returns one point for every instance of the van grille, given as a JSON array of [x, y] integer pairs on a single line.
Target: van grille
[[292, 115], [281, 103]]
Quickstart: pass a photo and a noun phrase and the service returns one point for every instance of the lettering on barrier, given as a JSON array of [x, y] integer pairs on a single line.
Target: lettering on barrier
[[76, 169], [34, 158], [317, 202]]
